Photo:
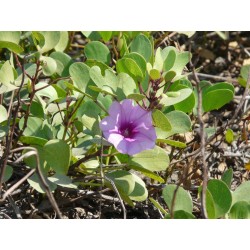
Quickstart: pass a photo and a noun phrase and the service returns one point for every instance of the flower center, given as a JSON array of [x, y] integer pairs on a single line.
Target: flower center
[[127, 131]]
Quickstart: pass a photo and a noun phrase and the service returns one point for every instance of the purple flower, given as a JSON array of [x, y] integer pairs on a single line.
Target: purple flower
[[129, 128]]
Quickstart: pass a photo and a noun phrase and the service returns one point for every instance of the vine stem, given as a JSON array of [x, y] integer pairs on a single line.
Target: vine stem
[[202, 144]]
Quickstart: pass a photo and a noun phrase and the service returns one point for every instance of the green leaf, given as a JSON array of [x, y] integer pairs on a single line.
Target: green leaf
[[129, 66], [170, 60], [210, 206], [180, 123], [80, 75], [242, 193], [31, 161], [181, 60], [30, 68], [169, 76], [183, 200], [188, 104], [187, 33], [148, 173], [142, 45], [157, 205], [161, 121], [10, 40], [33, 140], [109, 79], [106, 35], [180, 214], [98, 51], [217, 95], [62, 180], [130, 186], [7, 78], [48, 92], [49, 65], [140, 192], [173, 143], [8, 173], [175, 97], [3, 114], [140, 61], [136, 97], [240, 210], [125, 87], [63, 63], [35, 182], [63, 41], [108, 90], [244, 71], [155, 74], [47, 40], [229, 136], [154, 160], [34, 126], [158, 60], [58, 155], [221, 195], [227, 177]]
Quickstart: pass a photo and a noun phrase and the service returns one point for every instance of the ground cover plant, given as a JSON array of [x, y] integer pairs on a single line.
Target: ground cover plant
[[124, 124]]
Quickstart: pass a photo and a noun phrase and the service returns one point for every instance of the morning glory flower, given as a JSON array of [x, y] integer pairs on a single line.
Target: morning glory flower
[[129, 128]]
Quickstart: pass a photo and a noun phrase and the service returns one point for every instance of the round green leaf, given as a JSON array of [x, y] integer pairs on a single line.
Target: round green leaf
[[8, 173], [58, 155], [3, 114], [229, 136], [36, 183], [180, 214], [129, 66], [47, 40], [155, 74], [136, 97], [170, 60], [140, 61], [142, 45], [169, 76], [180, 123], [140, 192], [242, 193], [221, 196], [34, 125], [183, 200], [49, 65], [175, 97], [62, 180], [98, 51], [227, 177], [154, 160], [161, 121], [106, 35], [186, 105], [33, 140], [80, 75], [240, 210], [47, 91], [129, 185], [63, 63], [10, 40], [63, 41], [216, 96], [109, 79], [244, 71]]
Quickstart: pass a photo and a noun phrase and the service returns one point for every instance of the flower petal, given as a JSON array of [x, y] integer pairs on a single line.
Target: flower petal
[[109, 124], [113, 138]]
